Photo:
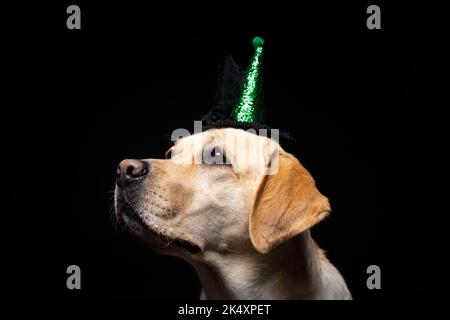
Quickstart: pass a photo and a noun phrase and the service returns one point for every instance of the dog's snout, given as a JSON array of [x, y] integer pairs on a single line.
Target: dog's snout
[[131, 169]]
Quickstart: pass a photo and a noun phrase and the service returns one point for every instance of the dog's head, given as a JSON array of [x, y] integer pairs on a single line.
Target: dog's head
[[223, 190]]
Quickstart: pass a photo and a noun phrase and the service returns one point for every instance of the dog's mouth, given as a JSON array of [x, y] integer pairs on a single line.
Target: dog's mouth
[[183, 244]]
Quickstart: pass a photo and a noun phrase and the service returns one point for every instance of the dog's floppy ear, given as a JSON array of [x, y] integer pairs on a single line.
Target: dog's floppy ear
[[287, 204]]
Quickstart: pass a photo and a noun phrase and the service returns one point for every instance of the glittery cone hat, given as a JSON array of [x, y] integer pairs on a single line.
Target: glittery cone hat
[[250, 107], [239, 99]]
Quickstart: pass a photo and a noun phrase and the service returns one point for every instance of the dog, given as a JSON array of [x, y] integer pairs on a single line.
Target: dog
[[244, 230]]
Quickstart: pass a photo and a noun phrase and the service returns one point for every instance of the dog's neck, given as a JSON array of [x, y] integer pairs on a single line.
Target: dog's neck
[[291, 271]]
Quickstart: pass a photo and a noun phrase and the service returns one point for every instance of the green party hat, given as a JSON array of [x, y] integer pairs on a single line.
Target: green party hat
[[250, 107]]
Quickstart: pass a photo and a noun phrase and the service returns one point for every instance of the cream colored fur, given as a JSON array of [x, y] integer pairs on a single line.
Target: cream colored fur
[[252, 228]]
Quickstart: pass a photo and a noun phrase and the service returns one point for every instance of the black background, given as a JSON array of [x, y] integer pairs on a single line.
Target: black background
[[353, 98]]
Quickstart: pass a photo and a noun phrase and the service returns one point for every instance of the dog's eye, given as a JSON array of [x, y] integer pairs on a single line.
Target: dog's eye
[[215, 155]]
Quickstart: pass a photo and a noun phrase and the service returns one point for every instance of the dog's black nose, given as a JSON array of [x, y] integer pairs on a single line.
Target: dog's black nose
[[131, 169]]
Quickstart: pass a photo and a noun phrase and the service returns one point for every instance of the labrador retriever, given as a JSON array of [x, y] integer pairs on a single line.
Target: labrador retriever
[[241, 221]]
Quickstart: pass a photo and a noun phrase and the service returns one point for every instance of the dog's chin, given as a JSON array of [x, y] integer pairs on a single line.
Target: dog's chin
[[134, 222]]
